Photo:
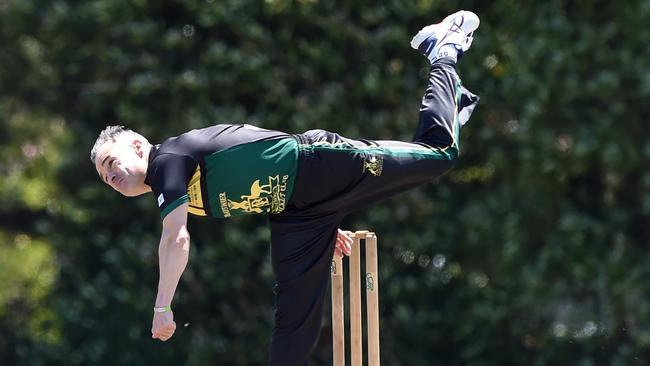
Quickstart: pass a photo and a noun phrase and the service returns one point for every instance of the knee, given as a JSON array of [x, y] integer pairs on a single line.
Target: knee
[[442, 161]]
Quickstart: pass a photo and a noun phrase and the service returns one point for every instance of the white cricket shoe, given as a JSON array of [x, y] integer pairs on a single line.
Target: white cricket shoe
[[456, 29]]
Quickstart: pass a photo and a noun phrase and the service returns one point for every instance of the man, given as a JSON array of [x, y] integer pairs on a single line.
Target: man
[[306, 183]]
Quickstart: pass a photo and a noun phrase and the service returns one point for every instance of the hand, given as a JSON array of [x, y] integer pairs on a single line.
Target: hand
[[343, 243], [163, 326]]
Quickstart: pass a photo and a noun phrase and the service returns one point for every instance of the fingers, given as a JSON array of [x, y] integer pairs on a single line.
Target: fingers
[[344, 243], [344, 246], [346, 236], [338, 253], [347, 233], [165, 332], [163, 336]]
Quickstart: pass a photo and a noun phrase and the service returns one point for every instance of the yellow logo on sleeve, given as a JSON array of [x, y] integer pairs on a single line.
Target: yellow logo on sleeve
[[194, 193]]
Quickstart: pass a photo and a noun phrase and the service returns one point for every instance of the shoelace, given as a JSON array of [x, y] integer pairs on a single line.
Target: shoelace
[[451, 29], [458, 26]]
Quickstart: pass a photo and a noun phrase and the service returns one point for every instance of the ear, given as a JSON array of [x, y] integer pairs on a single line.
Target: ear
[[137, 146]]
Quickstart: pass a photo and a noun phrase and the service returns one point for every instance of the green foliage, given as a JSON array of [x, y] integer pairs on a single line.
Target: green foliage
[[28, 272], [531, 251]]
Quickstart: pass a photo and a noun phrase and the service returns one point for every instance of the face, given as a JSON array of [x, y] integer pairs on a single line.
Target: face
[[123, 165]]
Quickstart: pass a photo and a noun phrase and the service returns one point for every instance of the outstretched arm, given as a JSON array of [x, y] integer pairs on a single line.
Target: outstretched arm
[[173, 254]]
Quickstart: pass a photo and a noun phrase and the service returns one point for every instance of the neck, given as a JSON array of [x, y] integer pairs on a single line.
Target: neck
[[145, 156], [145, 153]]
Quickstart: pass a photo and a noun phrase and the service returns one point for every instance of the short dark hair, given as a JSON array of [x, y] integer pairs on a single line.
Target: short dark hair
[[110, 133]]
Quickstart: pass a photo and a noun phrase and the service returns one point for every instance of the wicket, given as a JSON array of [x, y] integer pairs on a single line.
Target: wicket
[[372, 303]]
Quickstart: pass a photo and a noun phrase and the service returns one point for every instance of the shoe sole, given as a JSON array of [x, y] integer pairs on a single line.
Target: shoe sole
[[470, 19]]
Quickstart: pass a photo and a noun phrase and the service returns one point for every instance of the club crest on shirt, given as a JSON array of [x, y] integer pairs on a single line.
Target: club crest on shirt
[[161, 200], [268, 197], [223, 202], [374, 164]]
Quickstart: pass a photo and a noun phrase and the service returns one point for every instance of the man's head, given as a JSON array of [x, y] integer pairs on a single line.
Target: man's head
[[121, 159]]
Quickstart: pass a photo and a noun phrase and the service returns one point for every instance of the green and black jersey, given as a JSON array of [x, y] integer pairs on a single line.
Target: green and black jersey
[[224, 170]]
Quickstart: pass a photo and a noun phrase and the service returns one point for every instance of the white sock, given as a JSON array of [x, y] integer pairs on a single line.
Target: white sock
[[448, 50]]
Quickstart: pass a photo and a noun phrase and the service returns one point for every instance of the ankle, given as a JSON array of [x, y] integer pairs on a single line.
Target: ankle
[[445, 51]]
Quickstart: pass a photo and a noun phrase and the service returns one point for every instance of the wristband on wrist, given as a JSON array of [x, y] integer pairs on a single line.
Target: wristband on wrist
[[162, 309]]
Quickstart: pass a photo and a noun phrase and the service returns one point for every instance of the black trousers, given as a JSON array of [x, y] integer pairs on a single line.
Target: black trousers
[[337, 175]]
